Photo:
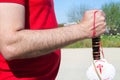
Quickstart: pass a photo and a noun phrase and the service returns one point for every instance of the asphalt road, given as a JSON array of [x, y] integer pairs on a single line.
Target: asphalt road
[[75, 62]]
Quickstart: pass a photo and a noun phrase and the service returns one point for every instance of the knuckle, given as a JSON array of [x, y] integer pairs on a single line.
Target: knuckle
[[101, 11], [86, 12], [103, 18], [105, 23], [104, 30]]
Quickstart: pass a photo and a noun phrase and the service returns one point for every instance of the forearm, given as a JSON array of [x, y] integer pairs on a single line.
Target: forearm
[[33, 43]]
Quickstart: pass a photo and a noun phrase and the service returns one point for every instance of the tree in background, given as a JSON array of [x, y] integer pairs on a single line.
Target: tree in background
[[112, 11], [76, 13]]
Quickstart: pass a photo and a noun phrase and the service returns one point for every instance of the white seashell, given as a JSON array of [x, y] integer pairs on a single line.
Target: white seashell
[[104, 69]]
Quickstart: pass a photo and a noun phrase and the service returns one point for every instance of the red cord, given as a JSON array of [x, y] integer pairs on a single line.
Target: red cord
[[94, 33], [94, 28]]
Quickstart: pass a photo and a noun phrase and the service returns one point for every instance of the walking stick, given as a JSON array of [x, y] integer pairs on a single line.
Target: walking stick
[[100, 69]]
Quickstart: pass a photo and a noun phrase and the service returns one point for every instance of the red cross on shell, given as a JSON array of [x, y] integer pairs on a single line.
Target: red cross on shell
[[100, 66]]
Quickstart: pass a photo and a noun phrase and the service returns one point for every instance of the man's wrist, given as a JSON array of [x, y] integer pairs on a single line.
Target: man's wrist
[[83, 31]]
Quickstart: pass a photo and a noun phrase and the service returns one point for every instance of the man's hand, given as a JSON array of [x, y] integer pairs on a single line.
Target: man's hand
[[88, 23]]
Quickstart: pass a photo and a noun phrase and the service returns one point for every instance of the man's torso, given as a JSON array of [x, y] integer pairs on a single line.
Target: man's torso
[[39, 15]]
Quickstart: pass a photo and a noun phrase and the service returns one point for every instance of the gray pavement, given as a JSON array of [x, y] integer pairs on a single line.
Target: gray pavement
[[75, 62]]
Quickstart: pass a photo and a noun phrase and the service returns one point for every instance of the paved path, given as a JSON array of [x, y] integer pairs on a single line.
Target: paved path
[[75, 62]]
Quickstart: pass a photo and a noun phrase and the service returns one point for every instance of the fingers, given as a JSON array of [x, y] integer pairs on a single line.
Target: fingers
[[100, 30], [102, 13], [99, 14], [100, 22]]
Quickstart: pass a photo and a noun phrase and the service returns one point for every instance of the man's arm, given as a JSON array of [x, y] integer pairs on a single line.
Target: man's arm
[[17, 42]]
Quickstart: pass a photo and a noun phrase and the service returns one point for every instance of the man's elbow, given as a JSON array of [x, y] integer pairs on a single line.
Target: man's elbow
[[7, 47], [8, 52]]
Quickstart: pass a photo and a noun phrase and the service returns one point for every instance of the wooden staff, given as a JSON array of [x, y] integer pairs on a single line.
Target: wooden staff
[[96, 48], [96, 53]]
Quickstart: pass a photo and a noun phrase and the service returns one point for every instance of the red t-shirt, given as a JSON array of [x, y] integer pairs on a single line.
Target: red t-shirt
[[39, 15]]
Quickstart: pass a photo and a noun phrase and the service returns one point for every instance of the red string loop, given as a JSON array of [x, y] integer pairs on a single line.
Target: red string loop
[[94, 26]]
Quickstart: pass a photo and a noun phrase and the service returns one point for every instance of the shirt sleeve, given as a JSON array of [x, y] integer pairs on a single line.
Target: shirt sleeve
[[22, 2]]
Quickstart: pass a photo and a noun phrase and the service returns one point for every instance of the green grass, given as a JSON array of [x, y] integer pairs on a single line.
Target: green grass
[[107, 41], [111, 41]]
